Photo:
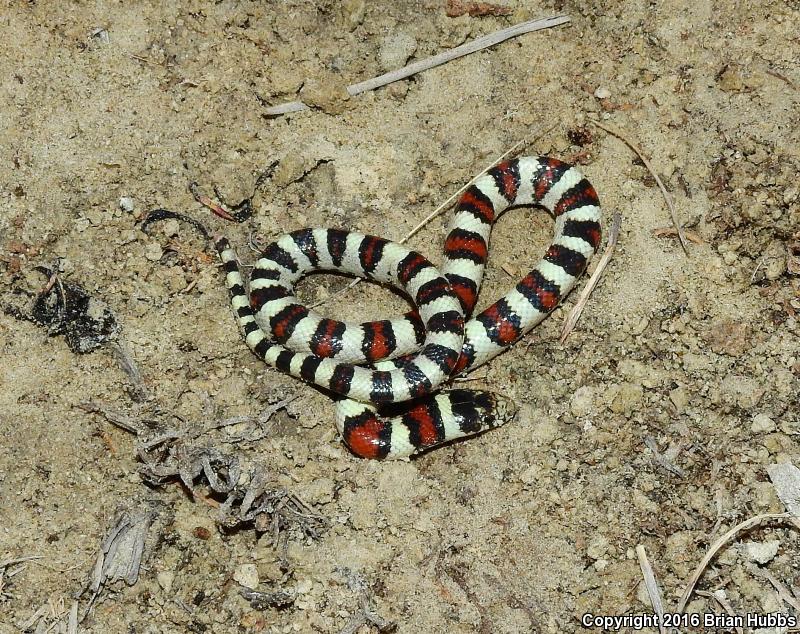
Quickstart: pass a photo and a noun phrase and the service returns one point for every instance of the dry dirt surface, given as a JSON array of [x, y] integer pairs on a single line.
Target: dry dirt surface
[[654, 424]]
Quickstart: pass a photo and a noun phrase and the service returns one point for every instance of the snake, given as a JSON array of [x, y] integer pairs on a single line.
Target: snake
[[386, 375]]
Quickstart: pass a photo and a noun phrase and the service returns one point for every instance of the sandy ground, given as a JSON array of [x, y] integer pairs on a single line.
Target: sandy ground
[[653, 424]]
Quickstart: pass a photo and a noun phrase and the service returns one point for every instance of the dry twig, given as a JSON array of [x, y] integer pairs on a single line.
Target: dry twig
[[575, 314], [128, 365], [652, 586], [668, 232], [72, 619], [115, 417], [437, 60], [667, 198]]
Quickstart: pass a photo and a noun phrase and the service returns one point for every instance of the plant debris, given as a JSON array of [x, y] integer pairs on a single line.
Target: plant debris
[[265, 600], [245, 498], [66, 308], [121, 553], [366, 613]]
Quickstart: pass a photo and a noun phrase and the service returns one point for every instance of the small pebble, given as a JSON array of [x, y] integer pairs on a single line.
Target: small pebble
[[762, 424], [304, 586], [544, 430], [601, 564], [398, 89], [354, 10], [171, 227], [153, 251], [731, 79], [321, 491], [765, 498], [597, 547], [775, 267], [201, 532], [96, 215], [395, 50], [530, 475], [786, 481], [743, 391], [790, 427], [678, 551], [165, 579], [761, 552], [291, 168], [726, 336], [628, 398], [730, 257], [582, 402], [325, 92], [602, 93], [246, 575], [126, 203]]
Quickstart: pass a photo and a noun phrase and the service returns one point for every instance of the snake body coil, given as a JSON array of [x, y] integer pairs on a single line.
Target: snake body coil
[[409, 357]]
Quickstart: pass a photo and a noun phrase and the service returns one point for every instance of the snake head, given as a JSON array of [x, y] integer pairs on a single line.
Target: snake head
[[478, 410], [505, 410]]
